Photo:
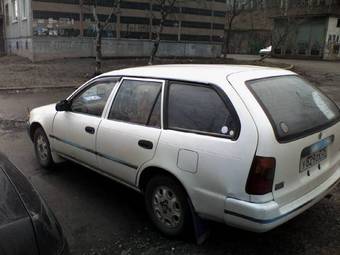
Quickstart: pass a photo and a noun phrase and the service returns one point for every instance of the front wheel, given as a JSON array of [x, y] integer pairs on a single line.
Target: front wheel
[[167, 205], [42, 148]]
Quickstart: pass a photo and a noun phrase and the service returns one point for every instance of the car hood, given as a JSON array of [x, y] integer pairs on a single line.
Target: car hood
[[47, 230], [11, 206], [16, 231]]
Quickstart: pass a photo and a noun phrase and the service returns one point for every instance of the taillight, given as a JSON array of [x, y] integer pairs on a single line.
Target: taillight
[[261, 176]]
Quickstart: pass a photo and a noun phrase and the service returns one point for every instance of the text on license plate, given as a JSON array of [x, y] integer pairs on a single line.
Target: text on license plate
[[313, 159]]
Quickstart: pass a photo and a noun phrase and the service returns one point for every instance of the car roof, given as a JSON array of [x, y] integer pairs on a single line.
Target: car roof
[[187, 72]]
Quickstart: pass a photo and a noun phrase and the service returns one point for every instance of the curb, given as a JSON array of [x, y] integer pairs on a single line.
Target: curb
[[34, 88], [11, 124]]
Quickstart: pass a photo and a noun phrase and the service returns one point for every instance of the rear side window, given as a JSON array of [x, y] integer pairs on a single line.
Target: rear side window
[[199, 108], [294, 107], [137, 102]]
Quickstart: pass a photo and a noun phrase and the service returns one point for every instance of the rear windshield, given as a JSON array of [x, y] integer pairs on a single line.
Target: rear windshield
[[294, 107]]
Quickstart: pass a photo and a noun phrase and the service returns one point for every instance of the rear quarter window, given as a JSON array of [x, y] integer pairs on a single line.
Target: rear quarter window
[[294, 107], [200, 109]]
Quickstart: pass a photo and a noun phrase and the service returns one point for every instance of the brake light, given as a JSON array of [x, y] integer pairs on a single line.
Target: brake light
[[261, 176]]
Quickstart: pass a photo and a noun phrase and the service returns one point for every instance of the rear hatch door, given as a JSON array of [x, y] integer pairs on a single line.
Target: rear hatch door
[[306, 132]]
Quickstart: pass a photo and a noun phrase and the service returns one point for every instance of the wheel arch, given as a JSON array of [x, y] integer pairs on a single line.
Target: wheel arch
[[151, 171], [33, 127]]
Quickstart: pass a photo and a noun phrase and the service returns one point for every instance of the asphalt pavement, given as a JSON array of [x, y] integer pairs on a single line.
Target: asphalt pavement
[[102, 217]]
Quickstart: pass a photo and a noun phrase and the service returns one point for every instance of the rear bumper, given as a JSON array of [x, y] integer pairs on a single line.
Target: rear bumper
[[266, 216]]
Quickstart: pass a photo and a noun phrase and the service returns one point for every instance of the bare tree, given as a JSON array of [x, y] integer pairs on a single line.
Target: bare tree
[[100, 28], [166, 8], [233, 9]]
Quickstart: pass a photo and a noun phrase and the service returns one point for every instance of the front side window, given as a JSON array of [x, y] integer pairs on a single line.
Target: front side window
[[92, 100], [199, 108], [138, 102], [293, 106]]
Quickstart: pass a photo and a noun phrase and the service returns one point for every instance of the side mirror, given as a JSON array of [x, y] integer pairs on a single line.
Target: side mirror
[[63, 106]]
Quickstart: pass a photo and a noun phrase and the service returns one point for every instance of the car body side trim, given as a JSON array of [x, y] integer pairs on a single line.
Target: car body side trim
[[99, 171], [268, 221], [95, 152]]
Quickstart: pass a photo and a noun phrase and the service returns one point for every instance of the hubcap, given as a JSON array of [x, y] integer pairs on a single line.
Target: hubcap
[[167, 207], [42, 148]]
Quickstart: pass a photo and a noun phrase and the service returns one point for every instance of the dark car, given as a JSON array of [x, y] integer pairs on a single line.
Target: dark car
[[27, 225]]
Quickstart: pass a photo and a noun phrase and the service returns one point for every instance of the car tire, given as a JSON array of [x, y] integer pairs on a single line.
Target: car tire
[[42, 149], [168, 206]]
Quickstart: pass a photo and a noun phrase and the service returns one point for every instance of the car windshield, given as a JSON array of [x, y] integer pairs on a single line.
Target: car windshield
[[294, 107]]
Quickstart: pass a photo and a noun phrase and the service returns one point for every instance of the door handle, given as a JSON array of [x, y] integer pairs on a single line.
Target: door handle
[[90, 130], [145, 144]]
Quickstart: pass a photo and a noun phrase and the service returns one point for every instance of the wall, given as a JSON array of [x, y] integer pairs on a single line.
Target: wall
[[45, 48], [2, 31], [305, 39], [332, 49], [249, 41], [18, 29], [192, 20]]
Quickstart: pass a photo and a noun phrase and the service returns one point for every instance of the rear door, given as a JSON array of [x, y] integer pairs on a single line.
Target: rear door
[[307, 134], [128, 137]]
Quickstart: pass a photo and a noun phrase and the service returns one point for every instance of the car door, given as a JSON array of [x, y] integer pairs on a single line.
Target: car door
[[128, 137], [74, 131]]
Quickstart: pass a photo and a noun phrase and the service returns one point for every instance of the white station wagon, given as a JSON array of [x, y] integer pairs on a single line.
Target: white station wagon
[[248, 146]]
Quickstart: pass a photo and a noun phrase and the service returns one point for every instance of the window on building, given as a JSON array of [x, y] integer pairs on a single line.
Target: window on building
[[15, 10], [7, 14], [338, 24], [23, 9]]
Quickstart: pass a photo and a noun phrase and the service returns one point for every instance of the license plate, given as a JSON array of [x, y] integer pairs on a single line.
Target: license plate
[[313, 159], [314, 154]]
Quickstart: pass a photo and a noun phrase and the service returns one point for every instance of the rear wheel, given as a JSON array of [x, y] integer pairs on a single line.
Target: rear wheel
[[42, 148], [167, 205]]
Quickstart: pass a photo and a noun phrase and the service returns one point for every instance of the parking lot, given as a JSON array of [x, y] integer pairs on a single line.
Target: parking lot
[[101, 217]]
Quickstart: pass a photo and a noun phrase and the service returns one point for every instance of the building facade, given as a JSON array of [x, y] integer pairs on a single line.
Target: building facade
[[309, 29], [44, 29], [18, 27], [47, 29], [2, 31]]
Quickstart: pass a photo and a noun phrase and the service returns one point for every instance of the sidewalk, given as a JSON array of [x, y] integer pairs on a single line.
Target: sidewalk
[[17, 73]]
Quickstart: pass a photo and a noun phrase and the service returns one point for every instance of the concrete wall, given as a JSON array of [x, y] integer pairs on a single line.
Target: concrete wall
[[249, 42], [18, 30], [305, 39], [332, 49], [20, 46], [45, 48]]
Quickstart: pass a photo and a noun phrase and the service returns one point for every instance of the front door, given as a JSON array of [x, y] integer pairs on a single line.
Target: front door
[[75, 131], [128, 137]]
